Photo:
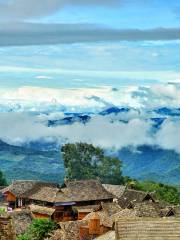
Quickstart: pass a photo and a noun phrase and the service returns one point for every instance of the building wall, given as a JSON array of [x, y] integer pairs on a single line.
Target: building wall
[[81, 215], [38, 215], [10, 197], [63, 213]]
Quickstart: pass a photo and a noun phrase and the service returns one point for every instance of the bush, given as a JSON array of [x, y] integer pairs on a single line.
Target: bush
[[22, 237], [2, 210], [38, 230], [162, 192]]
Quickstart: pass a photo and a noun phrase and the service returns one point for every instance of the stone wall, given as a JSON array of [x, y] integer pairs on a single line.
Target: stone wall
[[6, 228]]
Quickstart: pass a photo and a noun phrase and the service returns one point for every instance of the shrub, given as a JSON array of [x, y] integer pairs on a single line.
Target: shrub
[[38, 230]]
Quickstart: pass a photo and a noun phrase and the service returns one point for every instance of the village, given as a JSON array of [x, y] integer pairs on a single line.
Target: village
[[87, 209]]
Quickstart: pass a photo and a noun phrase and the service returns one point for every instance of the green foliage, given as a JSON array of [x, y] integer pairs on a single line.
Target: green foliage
[[84, 161], [3, 181], [39, 230], [23, 237], [2, 210], [162, 192]]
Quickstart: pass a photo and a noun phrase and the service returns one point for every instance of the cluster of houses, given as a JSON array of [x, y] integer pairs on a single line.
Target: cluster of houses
[[90, 210]]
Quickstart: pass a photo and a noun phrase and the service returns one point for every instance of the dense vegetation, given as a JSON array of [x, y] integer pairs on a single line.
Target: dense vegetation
[[38, 230], [3, 181], [84, 161], [162, 192]]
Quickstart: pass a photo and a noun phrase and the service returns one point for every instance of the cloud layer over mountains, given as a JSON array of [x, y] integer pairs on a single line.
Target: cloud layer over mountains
[[100, 130], [131, 127]]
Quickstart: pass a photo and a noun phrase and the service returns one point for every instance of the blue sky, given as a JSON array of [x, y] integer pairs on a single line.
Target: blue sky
[[61, 45], [85, 56]]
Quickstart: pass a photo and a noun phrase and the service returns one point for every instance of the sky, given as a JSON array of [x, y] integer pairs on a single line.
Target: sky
[[76, 43], [83, 56]]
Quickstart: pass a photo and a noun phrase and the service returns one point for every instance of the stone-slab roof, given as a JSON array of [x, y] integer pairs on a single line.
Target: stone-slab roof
[[116, 190], [107, 236], [85, 190], [35, 190], [41, 209]]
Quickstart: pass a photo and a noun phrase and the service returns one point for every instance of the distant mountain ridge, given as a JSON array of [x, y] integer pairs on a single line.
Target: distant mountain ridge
[[40, 158], [146, 163]]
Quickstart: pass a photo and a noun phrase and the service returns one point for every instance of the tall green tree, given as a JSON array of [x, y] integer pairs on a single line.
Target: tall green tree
[[3, 181], [85, 161]]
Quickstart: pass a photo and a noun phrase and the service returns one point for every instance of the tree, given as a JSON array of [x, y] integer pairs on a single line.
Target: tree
[[3, 181], [84, 161]]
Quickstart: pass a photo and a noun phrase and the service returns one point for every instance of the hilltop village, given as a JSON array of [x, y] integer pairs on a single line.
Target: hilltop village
[[87, 209]]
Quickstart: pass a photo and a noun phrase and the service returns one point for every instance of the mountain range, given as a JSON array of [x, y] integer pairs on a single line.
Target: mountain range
[[41, 159]]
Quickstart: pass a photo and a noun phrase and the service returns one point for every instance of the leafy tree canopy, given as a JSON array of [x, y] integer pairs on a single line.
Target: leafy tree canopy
[[85, 161]]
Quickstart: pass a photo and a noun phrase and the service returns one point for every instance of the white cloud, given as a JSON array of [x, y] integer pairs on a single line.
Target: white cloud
[[43, 77], [158, 96], [100, 131], [94, 98], [107, 131], [169, 135]]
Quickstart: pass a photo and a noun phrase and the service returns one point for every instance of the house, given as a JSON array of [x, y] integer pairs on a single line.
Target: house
[[23, 193], [148, 228], [41, 211], [110, 208], [84, 192], [97, 225], [176, 210], [116, 190], [131, 196], [50, 201], [38, 196], [83, 211], [167, 212], [146, 209], [100, 221]]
